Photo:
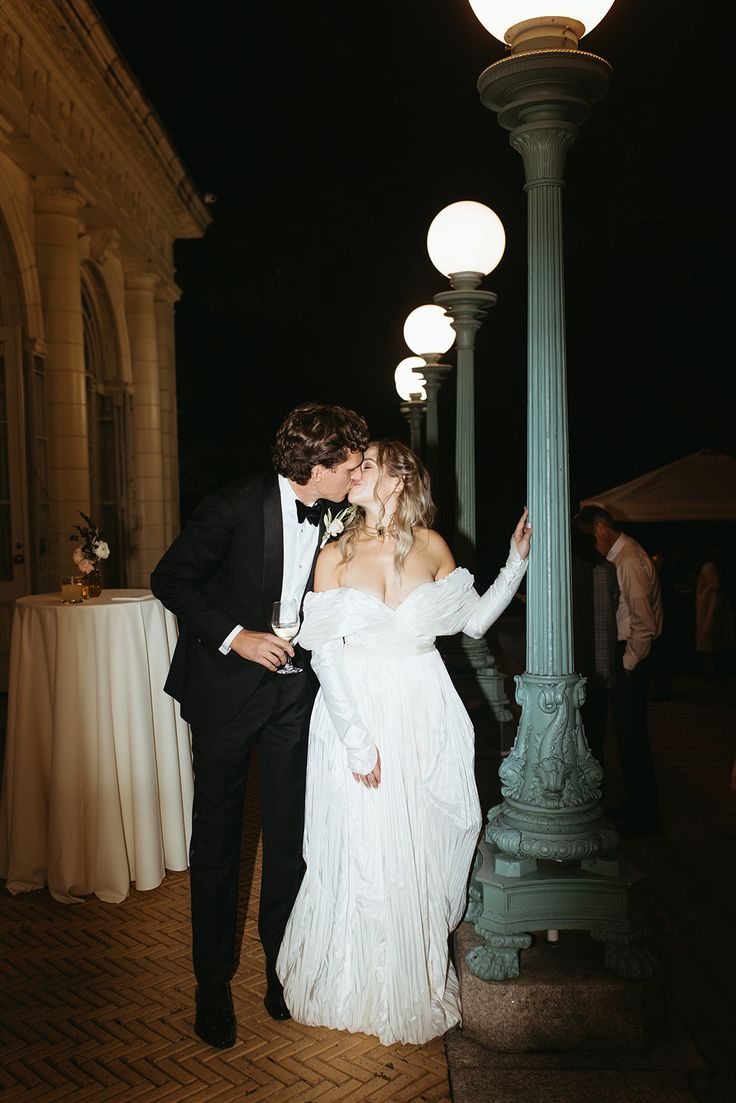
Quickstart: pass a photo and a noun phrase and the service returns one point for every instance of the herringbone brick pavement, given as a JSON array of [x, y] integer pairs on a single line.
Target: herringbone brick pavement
[[96, 1004], [96, 1000]]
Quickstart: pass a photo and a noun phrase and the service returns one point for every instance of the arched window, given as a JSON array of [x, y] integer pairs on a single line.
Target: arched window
[[109, 409]]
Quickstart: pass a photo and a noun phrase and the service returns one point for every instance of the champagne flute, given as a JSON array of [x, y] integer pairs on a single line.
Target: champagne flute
[[285, 624]]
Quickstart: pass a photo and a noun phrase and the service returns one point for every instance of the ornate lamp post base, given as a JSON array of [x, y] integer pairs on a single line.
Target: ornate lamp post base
[[550, 781], [602, 897], [548, 858]]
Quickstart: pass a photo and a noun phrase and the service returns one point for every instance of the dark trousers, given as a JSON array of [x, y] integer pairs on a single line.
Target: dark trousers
[[632, 736], [276, 718]]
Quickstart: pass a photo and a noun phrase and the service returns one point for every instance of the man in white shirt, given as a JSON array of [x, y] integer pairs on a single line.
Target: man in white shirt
[[639, 624], [245, 547]]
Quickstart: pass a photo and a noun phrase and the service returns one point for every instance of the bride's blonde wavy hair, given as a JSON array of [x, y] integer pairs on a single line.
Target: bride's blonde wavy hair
[[414, 506]]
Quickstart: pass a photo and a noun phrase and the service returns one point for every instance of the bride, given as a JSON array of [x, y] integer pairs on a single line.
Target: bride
[[392, 812]]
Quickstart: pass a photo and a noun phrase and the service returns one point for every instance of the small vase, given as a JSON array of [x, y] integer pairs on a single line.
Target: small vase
[[92, 585]]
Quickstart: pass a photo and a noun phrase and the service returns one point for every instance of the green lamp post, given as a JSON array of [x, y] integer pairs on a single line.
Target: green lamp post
[[549, 859], [465, 242], [410, 387], [429, 335]]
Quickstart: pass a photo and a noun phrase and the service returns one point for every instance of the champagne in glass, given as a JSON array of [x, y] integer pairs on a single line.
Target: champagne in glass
[[285, 624]]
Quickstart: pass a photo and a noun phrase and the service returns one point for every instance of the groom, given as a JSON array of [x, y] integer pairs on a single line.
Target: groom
[[251, 544]]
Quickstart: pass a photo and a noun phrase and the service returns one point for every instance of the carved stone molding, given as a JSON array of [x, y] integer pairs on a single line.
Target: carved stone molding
[[58, 194], [141, 278], [168, 292], [103, 243], [33, 346], [70, 100]]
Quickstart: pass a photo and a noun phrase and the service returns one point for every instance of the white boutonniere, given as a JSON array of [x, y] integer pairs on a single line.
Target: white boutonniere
[[336, 525]]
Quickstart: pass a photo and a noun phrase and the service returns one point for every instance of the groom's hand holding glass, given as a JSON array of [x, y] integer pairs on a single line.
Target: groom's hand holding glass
[[262, 648], [285, 623], [274, 652]]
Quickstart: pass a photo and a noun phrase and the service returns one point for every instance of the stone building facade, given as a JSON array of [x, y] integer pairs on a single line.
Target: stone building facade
[[92, 197]]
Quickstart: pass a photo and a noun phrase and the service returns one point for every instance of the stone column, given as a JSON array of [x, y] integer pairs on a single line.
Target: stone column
[[140, 311], [57, 203], [166, 296]]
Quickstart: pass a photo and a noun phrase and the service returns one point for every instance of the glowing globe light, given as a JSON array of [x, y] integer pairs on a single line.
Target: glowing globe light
[[497, 16], [466, 237], [428, 330], [409, 379]]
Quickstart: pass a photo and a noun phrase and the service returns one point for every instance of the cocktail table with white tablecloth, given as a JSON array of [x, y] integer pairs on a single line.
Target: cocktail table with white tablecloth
[[97, 783]]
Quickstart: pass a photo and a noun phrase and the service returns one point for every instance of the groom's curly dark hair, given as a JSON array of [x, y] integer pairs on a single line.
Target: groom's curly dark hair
[[316, 434]]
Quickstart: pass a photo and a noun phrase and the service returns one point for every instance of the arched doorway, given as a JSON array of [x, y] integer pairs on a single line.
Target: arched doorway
[[109, 427]]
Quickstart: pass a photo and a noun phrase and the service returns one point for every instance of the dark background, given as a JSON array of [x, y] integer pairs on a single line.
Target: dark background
[[332, 133]]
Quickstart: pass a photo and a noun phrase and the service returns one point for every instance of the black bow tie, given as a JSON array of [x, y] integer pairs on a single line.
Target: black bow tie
[[313, 514]]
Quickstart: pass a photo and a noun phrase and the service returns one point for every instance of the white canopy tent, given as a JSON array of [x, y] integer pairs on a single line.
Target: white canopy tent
[[700, 487]]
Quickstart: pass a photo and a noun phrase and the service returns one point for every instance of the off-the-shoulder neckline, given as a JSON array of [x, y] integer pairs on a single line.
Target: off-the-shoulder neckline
[[392, 608]]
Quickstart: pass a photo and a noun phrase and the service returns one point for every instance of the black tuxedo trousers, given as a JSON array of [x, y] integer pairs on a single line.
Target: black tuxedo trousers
[[276, 721]]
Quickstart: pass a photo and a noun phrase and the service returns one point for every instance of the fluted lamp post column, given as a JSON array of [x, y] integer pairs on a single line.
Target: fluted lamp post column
[[428, 333], [410, 387], [548, 859], [466, 241]]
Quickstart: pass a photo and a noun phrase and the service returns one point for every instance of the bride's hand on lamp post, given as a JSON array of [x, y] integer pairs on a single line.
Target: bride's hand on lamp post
[[523, 534], [373, 779]]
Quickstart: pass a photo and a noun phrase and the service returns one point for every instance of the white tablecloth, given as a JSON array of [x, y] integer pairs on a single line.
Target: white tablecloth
[[97, 784]]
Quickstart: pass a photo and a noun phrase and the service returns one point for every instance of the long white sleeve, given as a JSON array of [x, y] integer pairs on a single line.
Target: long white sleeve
[[328, 665], [489, 607]]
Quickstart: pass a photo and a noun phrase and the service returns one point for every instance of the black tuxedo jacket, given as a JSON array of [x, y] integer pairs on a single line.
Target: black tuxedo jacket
[[224, 569]]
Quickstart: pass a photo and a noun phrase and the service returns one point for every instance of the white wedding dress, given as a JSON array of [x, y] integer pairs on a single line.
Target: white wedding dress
[[366, 946]]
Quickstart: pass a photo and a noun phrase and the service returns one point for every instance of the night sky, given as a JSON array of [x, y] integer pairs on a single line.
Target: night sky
[[332, 134]]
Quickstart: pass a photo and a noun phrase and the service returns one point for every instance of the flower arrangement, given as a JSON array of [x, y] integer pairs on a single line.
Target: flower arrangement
[[334, 526], [92, 547]]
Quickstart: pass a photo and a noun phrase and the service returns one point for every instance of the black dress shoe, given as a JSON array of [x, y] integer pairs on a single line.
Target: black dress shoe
[[274, 1001], [215, 1017]]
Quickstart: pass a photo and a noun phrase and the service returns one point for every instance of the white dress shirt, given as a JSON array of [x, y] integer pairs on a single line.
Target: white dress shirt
[[639, 614], [300, 544]]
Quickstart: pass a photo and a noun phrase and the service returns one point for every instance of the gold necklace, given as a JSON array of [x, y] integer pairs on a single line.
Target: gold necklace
[[380, 531]]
